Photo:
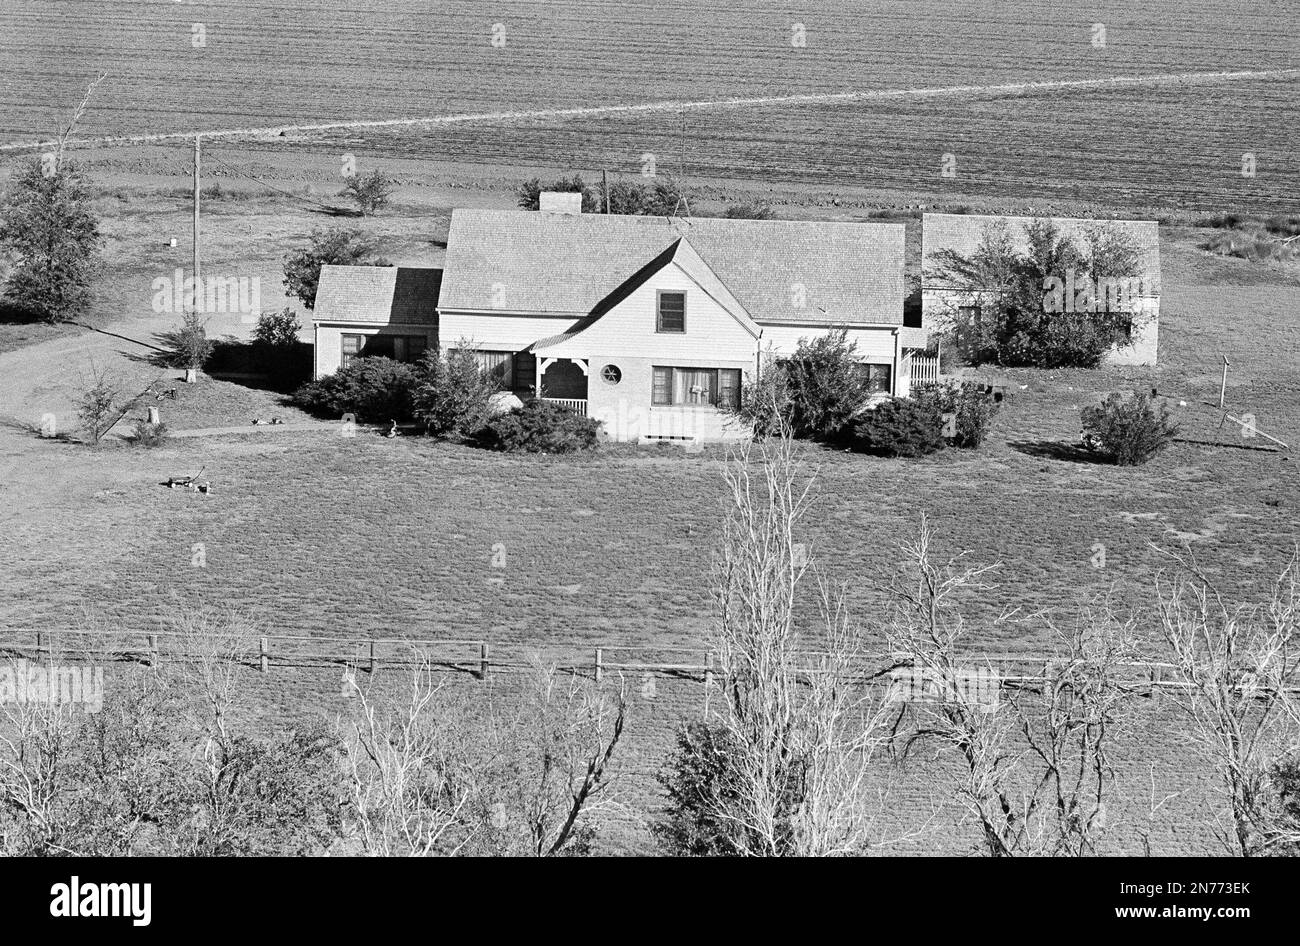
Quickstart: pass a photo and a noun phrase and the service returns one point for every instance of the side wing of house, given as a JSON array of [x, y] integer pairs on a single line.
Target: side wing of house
[[364, 311]]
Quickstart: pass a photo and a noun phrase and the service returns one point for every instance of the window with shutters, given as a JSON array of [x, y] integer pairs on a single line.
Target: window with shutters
[[672, 312]]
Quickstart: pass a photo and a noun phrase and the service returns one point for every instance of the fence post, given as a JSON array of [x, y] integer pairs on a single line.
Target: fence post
[[484, 652], [265, 655], [38, 643], [372, 656], [153, 648], [600, 665]]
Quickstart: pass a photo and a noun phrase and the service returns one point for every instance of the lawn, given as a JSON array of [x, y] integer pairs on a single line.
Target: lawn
[[317, 533]]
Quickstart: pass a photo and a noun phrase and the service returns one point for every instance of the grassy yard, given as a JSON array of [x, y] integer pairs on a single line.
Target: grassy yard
[[320, 534]]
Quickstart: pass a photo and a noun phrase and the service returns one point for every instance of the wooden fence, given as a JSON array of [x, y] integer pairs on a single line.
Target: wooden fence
[[480, 658]]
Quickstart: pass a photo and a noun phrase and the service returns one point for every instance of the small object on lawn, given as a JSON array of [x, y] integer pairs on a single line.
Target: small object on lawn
[[276, 420], [256, 421], [173, 241], [185, 481], [392, 431], [1182, 403]]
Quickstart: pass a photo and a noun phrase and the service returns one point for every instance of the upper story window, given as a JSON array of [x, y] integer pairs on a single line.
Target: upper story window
[[672, 312]]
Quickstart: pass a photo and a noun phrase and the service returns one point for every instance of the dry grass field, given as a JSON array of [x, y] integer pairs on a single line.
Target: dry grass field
[[270, 63]]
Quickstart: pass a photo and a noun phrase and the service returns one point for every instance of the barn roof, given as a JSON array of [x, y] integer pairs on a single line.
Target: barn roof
[[961, 233], [382, 294], [529, 262]]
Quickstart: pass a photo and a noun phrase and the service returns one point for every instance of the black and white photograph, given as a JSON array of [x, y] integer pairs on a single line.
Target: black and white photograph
[[649, 429]]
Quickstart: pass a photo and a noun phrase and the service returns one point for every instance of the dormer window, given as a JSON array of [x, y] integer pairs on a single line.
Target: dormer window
[[672, 312]]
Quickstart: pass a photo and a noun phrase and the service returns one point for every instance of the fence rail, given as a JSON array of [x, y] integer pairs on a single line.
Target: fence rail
[[480, 658]]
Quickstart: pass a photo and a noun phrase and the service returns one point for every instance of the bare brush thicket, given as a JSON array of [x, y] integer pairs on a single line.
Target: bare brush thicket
[[1235, 676], [428, 778], [1035, 755]]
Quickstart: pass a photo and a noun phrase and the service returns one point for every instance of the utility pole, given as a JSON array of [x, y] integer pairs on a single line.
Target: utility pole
[[604, 186], [1223, 387], [197, 139]]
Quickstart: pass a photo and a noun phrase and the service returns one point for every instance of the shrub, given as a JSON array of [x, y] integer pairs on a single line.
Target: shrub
[[542, 427], [766, 402], [96, 403], [900, 427], [145, 434], [277, 329], [530, 191], [695, 780], [371, 192], [374, 389], [827, 385], [752, 210], [1128, 431], [336, 247], [453, 399], [190, 345], [972, 406]]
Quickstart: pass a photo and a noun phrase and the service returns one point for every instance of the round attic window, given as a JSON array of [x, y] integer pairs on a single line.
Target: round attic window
[[611, 374]]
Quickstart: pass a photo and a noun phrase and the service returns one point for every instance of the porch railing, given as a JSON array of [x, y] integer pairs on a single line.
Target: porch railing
[[577, 405], [925, 370]]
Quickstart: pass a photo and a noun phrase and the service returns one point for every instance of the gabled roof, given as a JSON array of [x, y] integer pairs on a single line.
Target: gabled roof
[[683, 254], [961, 233], [568, 264], [383, 294]]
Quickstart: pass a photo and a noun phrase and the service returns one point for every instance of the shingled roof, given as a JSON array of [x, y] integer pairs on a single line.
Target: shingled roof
[[528, 262], [383, 294], [961, 233]]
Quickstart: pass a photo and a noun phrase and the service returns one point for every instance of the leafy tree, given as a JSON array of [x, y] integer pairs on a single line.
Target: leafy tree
[[334, 247], [371, 192], [47, 222], [1023, 317]]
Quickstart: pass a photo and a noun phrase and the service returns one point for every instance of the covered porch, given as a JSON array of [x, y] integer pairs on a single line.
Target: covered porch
[[563, 381]]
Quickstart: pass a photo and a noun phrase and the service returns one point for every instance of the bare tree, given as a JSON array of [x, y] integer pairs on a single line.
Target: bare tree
[[65, 131], [1235, 675], [550, 764], [800, 735], [1035, 754]]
